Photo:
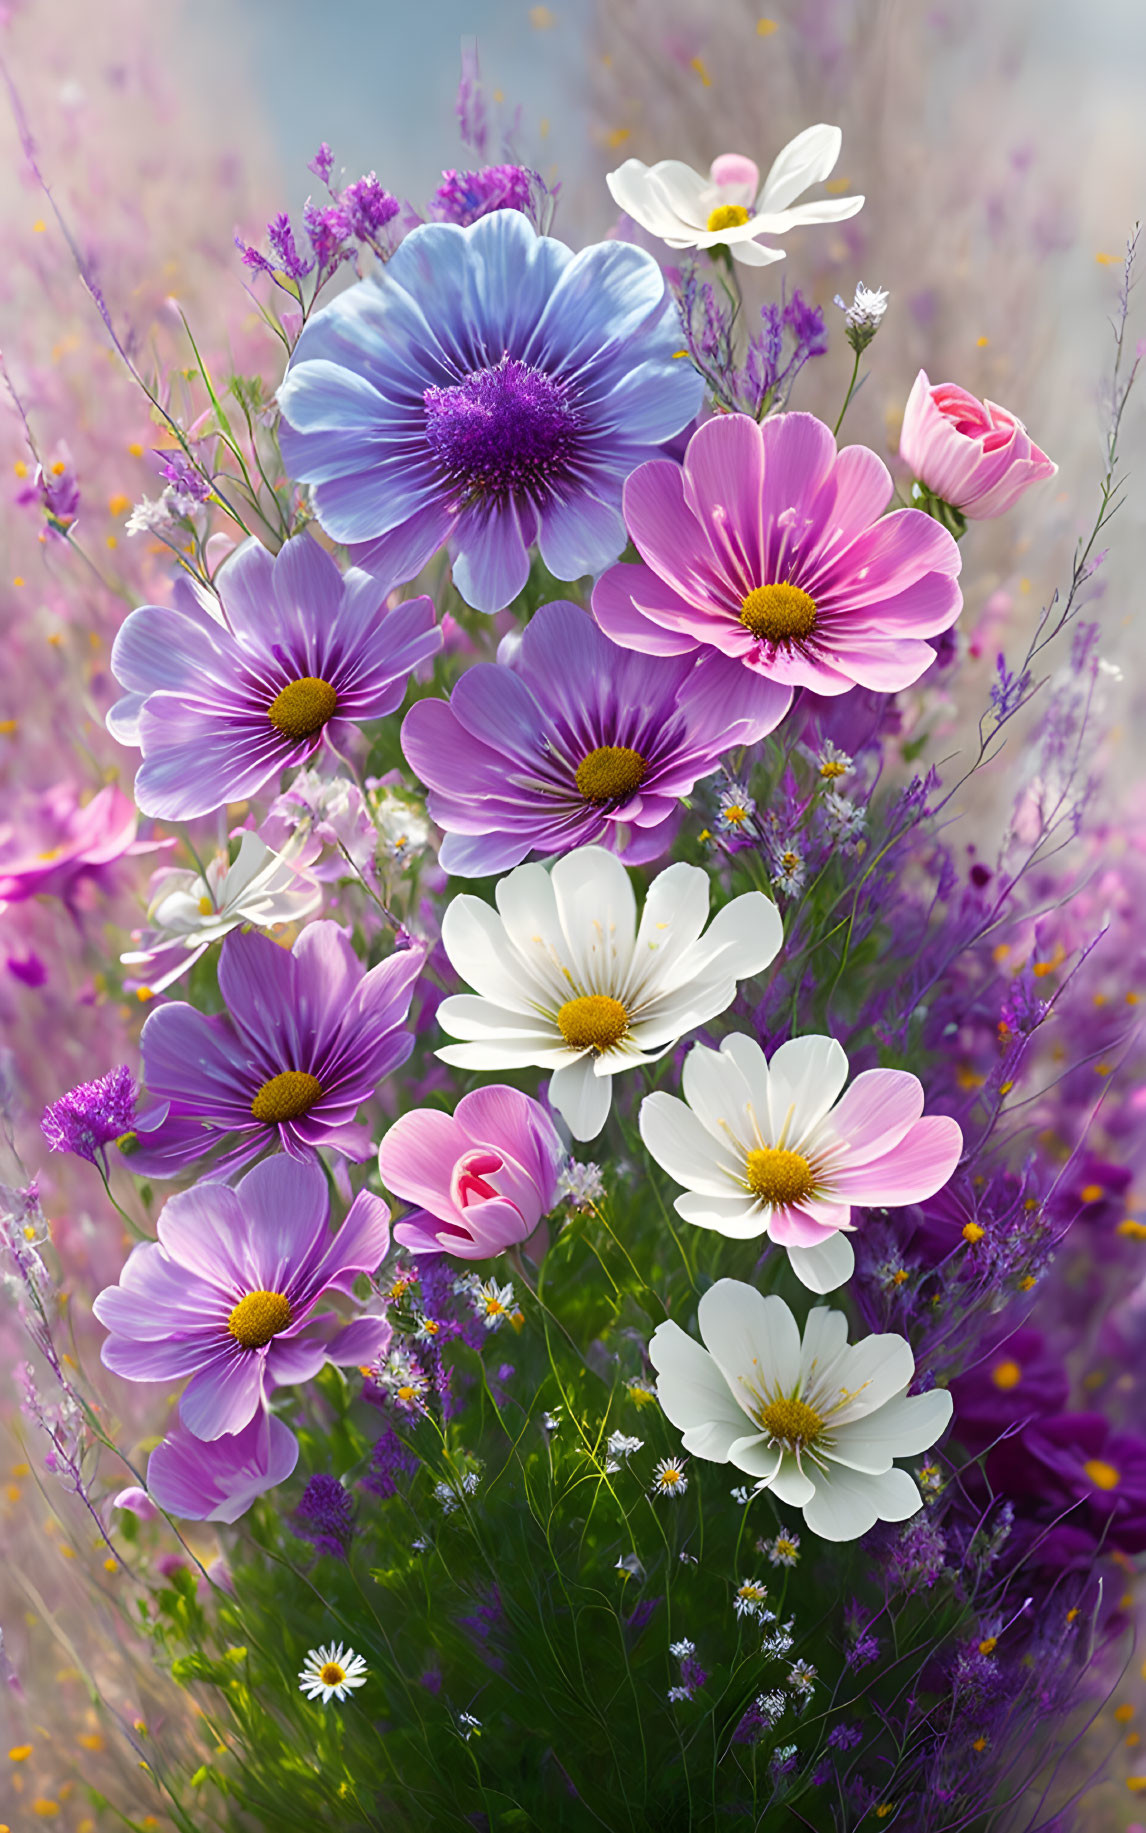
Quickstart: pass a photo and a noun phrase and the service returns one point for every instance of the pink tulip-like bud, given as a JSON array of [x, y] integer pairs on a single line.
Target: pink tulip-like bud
[[738, 177], [482, 1177], [970, 453]]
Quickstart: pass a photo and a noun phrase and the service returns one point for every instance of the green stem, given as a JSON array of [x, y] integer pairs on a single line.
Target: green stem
[[850, 393]]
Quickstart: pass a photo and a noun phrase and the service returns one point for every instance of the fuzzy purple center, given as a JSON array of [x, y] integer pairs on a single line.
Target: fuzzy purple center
[[502, 432]]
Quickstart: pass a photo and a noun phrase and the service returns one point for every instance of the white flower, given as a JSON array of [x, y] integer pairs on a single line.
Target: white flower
[[817, 1422], [620, 1444], [790, 872], [566, 981], [190, 911], [768, 1148], [493, 1303], [468, 1725], [784, 1550], [683, 1650], [750, 1599], [580, 1185], [668, 1476], [673, 202], [402, 1379], [802, 1678], [330, 1673], [866, 310]]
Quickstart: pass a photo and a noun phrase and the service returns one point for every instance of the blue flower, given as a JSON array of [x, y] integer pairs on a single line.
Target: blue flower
[[488, 389]]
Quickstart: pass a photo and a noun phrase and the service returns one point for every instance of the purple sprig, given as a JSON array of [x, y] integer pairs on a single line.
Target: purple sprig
[[92, 1115]]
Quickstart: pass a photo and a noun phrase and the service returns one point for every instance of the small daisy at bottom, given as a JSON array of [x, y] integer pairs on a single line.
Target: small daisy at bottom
[[669, 1478], [330, 1673]]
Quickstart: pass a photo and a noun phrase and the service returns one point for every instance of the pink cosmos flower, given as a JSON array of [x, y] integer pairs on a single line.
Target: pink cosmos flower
[[970, 453], [66, 841], [227, 1294], [776, 1148], [484, 1176], [772, 547], [219, 1481]]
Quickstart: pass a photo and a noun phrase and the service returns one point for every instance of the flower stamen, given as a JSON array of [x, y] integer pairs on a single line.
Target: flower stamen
[[594, 1022], [780, 614], [303, 707], [286, 1096], [610, 773], [258, 1317]]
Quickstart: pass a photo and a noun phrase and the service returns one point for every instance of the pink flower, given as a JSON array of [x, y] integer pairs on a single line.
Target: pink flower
[[66, 841], [778, 1148], [219, 1480], [771, 547], [969, 453], [484, 1177]]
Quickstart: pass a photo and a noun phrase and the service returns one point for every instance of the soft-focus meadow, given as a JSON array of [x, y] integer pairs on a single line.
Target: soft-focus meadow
[[1002, 154]]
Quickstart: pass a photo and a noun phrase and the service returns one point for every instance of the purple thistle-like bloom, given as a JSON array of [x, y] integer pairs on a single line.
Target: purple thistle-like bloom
[[219, 1480], [325, 1516], [463, 197], [488, 389], [280, 235], [223, 694], [389, 1460], [92, 1114], [370, 207], [228, 1293], [306, 1037], [569, 740]]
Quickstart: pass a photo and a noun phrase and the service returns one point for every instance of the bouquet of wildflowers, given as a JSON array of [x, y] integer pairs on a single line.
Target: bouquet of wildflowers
[[623, 1312]]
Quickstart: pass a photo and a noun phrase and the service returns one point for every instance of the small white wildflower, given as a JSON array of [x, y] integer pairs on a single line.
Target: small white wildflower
[[676, 1694], [750, 1598], [831, 762], [641, 1392], [620, 1444], [427, 1329], [683, 1650], [468, 1725], [737, 809], [330, 1673], [845, 820], [551, 1421], [740, 1494], [688, 1559], [402, 1379], [863, 317], [790, 872], [776, 1643], [611, 1466], [421, 1545], [401, 822], [493, 1303], [802, 1678], [669, 1478], [772, 1705], [581, 1186], [631, 1566], [446, 1497], [784, 1550]]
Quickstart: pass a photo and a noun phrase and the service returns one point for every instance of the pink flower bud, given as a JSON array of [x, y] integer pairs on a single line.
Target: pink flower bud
[[970, 453]]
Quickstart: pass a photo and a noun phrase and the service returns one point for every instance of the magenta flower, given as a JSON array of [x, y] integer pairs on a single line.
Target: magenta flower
[[64, 841], [224, 694], [570, 740], [970, 453], [219, 1480], [778, 1148], [483, 1176], [91, 1115], [227, 1294], [306, 1037], [771, 547]]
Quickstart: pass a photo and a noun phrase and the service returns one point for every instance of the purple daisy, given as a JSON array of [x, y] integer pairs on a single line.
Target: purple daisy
[[227, 1294], [223, 695], [306, 1037], [488, 388], [569, 740]]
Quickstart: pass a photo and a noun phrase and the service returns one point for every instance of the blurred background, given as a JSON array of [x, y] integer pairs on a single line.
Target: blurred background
[[1002, 150]]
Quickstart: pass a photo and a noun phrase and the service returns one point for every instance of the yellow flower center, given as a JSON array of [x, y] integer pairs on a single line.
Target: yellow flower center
[[259, 1317], [727, 216], [1006, 1375], [610, 773], [793, 1422], [303, 707], [831, 767], [1102, 1474], [331, 1675], [593, 1022], [286, 1096], [779, 614], [779, 1177]]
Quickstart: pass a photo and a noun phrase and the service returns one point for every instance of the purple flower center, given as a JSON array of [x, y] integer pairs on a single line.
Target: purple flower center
[[502, 432]]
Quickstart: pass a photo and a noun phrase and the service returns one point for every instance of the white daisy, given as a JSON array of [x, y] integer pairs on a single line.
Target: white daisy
[[493, 1303], [668, 1475], [566, 980], [330, 1673], [769, 1148], [817, 1422], [622, 1444], [190, 910], [728, 209]]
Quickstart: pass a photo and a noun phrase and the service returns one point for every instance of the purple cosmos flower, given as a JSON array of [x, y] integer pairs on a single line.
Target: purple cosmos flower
[[772, 547], [222, 697], [306, 1037], [1020, 1379], [227, 1294], [63, 842], [89, 1116], [569, 740], [1077, 1472], [491, 389], [220, 1480]]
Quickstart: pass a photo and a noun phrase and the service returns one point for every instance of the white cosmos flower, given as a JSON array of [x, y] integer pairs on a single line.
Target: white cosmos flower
[[770, 1148], [567, 981], [817, 1422], [673, 202], [189, 911], [330, 1673]]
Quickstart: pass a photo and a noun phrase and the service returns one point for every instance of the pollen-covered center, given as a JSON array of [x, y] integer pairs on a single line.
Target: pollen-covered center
[[610, 773], [727, 216], [286, 1097], [593, 1022], [506, 431], [303, 707], [331, 1675], [259, 1317], [1102, 1474], [779, 1177], [793, 1422], [779, 613]]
